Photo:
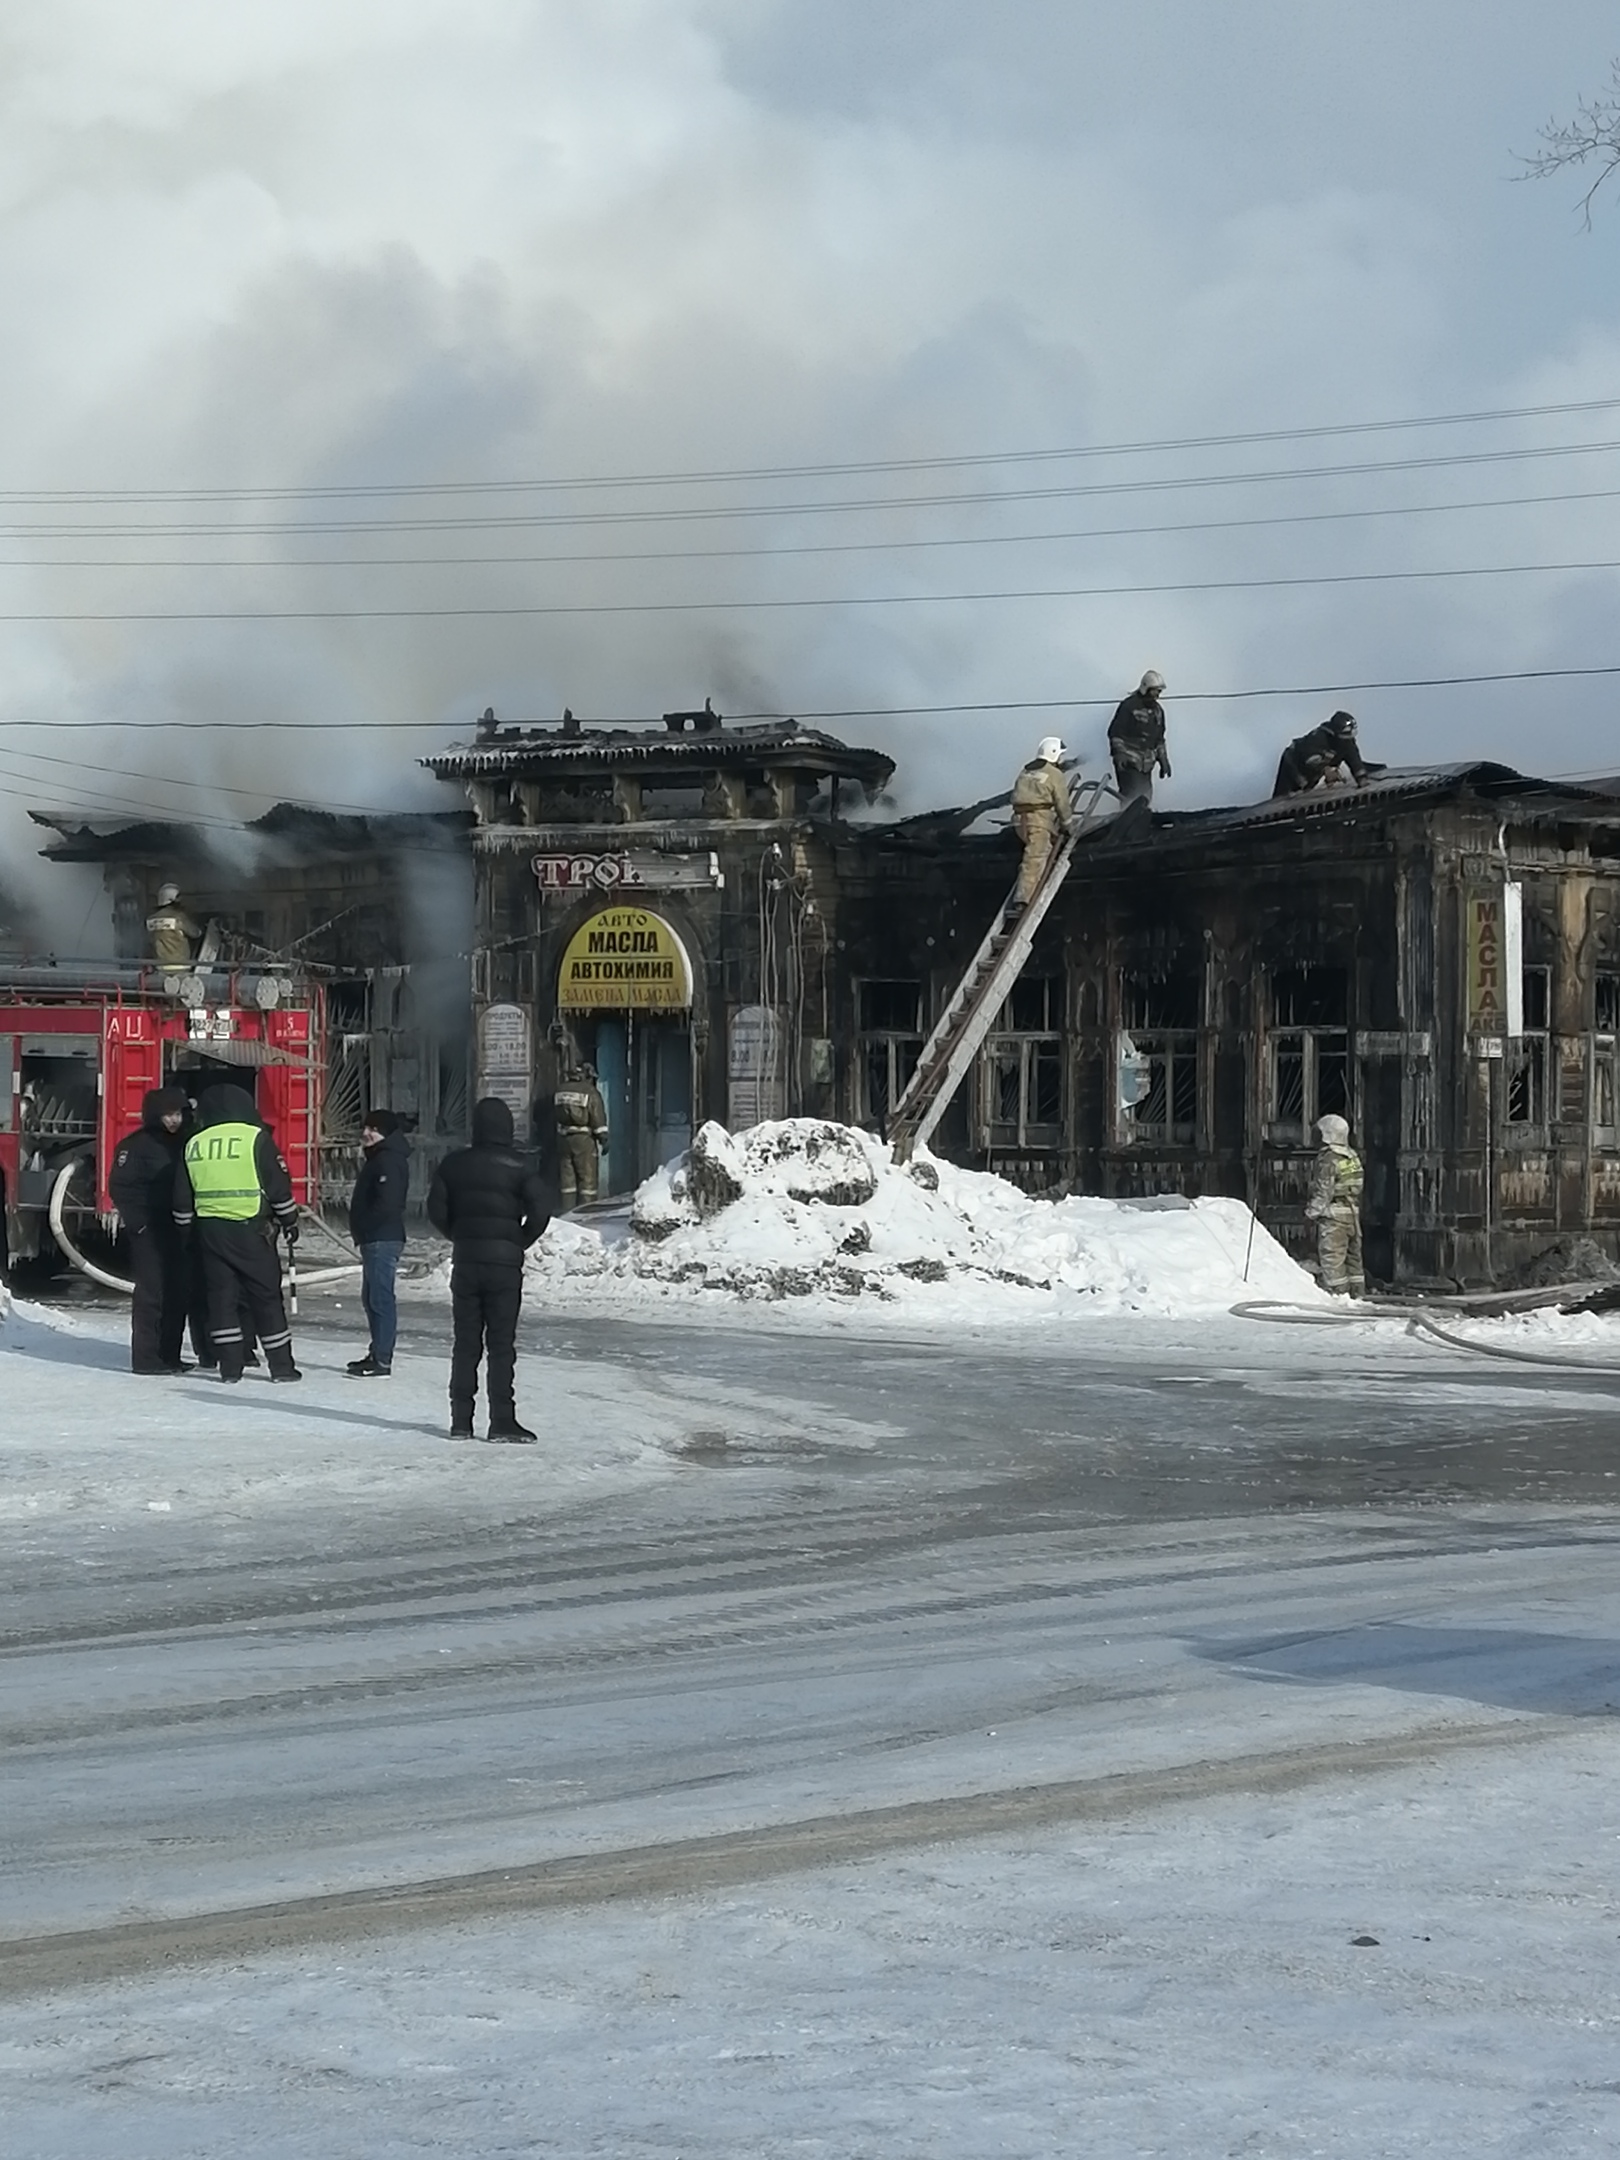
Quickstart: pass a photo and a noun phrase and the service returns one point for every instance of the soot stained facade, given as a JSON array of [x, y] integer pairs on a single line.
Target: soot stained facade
[[697, 913], [1435, 955], [662, 902], [711, 916]]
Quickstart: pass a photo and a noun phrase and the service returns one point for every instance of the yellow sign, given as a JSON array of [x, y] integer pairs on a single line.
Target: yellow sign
[[625, 957]]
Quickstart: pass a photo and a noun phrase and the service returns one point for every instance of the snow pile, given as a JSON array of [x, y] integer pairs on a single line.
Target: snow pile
[[806, 1209]]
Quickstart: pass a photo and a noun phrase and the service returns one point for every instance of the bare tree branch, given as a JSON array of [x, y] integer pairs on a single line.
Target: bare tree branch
[[1593, 133]]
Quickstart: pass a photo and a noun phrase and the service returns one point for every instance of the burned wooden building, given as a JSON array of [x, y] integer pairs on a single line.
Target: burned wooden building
[[659, 900], [379, 907], [705, 913], [1434, 955]]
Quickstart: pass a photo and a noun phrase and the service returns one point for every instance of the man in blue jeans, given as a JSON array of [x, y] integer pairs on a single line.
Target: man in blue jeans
[[377, 1226]]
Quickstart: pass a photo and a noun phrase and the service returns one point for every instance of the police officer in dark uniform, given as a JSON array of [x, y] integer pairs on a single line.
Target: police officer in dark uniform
[[490, 1201], [1309, 759], [232, 1182], [141, 1183]]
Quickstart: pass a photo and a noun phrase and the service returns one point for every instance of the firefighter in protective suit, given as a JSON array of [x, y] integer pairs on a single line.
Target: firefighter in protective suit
[[1334, 1206], [1318, 757], [232, 1182], [1041, 812], [175, 937], [582, 1134]]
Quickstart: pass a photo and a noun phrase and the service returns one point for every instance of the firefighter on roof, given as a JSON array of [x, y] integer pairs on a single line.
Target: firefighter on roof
[[1311, 759], [1136, 741]]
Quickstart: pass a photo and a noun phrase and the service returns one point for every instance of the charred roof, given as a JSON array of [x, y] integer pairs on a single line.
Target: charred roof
[[705, 740], [300, 832]]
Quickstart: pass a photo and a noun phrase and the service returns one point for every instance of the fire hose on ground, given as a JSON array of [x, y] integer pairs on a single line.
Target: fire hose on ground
[[309, 1280], [1420, 1321]]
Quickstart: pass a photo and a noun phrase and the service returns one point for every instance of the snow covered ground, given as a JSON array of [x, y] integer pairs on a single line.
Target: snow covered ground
[[817, 1217], [81, 1434], [1320, 1622], [1422, 1964]]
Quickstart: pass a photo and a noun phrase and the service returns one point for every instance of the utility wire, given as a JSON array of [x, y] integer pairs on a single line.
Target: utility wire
[[195, 787], [711, 511], [745, 473], [803, 600], [808, 547], [1055, 703]]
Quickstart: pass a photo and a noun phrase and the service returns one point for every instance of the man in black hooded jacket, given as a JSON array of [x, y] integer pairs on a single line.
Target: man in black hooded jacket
[[232, 1182], [141, 1183], [490, 1202]]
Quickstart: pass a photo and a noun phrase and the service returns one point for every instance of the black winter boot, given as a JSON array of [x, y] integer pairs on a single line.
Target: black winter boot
[[511, 1432]]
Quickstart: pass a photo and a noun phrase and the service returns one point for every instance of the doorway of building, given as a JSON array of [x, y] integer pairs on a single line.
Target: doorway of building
[[644, 1068]]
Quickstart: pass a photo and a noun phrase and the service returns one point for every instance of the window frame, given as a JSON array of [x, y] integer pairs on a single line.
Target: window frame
[[1527, 1064], [1024, 1052], [1171, 1053], [896, 1049], [1603, 1060]]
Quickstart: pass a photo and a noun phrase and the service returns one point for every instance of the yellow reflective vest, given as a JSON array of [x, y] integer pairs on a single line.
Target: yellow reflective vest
[[224, 1175]]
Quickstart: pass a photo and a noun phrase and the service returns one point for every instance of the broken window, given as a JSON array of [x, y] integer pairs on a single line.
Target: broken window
[[1308, 1050], [1158, 1059], [1021, 1068], [1526, 1059], [1605, 1111], [889, 1040]]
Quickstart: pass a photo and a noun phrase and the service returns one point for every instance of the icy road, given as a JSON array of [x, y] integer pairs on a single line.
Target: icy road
[[1157, 1740]]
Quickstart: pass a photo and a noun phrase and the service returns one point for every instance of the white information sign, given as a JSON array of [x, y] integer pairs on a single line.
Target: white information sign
[[756, 1067]]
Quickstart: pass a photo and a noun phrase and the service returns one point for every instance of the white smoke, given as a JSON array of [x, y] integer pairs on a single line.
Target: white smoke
[[288, 246]]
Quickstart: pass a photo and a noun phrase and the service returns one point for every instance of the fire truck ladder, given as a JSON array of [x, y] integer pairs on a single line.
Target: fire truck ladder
[[983, 990]]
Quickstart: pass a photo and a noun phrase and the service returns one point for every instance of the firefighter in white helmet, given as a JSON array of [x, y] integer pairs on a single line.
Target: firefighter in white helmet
[[1334, 1206], [1041, 811], [1136, 741], [175, 937]]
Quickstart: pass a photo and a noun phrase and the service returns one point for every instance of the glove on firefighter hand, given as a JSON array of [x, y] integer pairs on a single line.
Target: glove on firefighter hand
[[289, 1231]]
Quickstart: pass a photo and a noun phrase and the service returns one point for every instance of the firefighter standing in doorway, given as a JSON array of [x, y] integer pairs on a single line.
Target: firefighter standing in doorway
[[582, 1133], [1041, 812], [1334, 1206]]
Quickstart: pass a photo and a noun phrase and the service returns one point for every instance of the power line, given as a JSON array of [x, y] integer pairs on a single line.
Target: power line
[[711, 511], [1056, 703], [195, 787], [849, 467], [824, 547], [837, 600]]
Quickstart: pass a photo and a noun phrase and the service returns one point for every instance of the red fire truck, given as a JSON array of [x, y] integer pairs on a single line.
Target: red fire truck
[[81, 1044]]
